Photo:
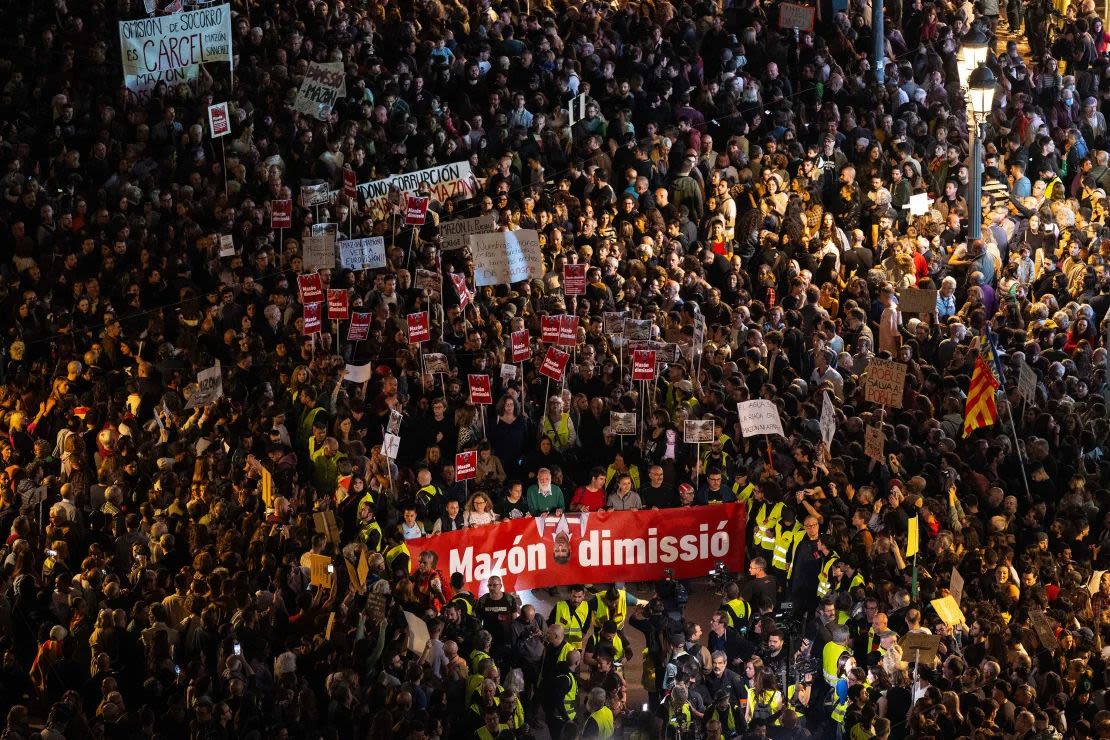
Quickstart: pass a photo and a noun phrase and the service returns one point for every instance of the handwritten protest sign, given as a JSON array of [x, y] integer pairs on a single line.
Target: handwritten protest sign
[[324, 84], [171, 48], [917, 300], [456, 234], [506, 257], [362, 254], [318, 252], [759, 417], [874, 442], [210, 387], [885, 380]]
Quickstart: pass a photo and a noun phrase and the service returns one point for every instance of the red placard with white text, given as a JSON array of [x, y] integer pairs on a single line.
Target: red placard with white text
[[519, 345], [568, 331], [420, 327], [339, 306], [311, 287], [416, 209], [359, 328], [466, 465], [574, 279], [481, 393], [350, 183], [312, 324], [549, 329], [554, 364], [643, 364], [281, 214]]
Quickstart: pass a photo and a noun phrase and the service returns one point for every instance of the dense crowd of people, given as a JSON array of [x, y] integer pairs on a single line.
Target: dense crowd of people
[[731, 181]]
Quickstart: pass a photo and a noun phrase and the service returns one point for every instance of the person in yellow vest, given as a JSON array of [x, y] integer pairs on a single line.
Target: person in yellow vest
[[397, 558], [848, 690], [766, 512], [734, 607], [573, 613], [612, 603], [369, 531], [834, 653], [723, 712], [562, 709], [679, 713], [788, 533], [461, 596], [557, 426], [824, 578], [846, 577], [742, 488], [607, 638], [765, 701], [601, 722], [491, 728], [482, 644]]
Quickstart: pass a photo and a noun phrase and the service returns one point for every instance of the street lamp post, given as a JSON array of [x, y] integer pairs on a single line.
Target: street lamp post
[[978, 84]]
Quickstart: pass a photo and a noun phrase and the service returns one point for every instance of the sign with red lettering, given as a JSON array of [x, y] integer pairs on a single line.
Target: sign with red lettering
[[420, 327], [574, 279], [350, 183], [481, 394], [219, 122], [466, 465], [281, 214], [519, 346], [554, 364], [416, 209], [607, 546], [643, 364], [459, 281], [312, 324], [339, 307], [568, 331], [549, 329], [311, 287], [359, 328]]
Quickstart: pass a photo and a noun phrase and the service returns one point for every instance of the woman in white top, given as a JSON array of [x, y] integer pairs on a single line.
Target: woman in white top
[[479, 511]]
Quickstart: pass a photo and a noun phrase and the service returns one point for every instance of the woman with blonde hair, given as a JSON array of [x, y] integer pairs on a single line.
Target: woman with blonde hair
[[479, 510]]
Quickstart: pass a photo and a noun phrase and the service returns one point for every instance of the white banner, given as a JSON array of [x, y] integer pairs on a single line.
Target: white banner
[[171, 48], [506, 257], [362, 254], [358, 373], [324, 84], [210, 386], [759, 417], [444, 181], [456, 234]]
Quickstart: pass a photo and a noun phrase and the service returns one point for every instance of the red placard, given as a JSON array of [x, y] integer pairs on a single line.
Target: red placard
[[519, 345], [603, 547], [339, 307], [281, 214], [574, 279], [568, 331], [312, 324], [549, 329], [466, 465], [359, 328], [554, 364], [481, 393], [311, 287], [218, 120], [416, 209], [459, 281], [643, 364], [420, 327], [350, 183]]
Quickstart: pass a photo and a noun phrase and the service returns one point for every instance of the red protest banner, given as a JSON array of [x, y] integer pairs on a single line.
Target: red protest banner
[[359, 328], [350, 183], [312, 318], [281, 214], [416, 209], [607, 546], [568, 331], [574, 279], [466, 465], [554, 364], [311, 288], [481, 393], [519, 346], [420, 327], [459, 281], [643, 364], [549, 329], [339, 307]]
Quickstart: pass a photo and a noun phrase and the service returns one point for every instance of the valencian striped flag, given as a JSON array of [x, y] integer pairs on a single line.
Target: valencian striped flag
[[981, 410]]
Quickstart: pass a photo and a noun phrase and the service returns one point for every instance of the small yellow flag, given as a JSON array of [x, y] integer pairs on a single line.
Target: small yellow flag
[[267, 486], [912, 541]]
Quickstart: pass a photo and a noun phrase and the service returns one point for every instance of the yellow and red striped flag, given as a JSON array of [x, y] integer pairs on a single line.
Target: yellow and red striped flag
[[981, 410]]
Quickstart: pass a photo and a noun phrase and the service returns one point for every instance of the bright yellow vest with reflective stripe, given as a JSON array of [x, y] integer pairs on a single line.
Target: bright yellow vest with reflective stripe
[[574, 623], [605, 726], [785, 542], [830, 658], [824, 585], [570, 700], [765, 521]]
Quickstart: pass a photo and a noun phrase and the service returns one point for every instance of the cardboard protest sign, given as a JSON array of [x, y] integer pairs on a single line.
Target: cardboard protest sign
[[828, 421], [219, 120], [416, 209], [358, 374], [643, 364], [948, 609], [623, 423], [359, 327], [699, 431], [519, 346], [311, 288], [1027, 383], [574, 279], [466, 465], [324, 84], [554, 364], [339, 307], [885, 380], [874, 442], [321, 571], [456, 234], [210, 387], [481, 392], [281, 214], [324, 523], [759, 417], [568, 330], [506, 257], [362, 254], [391, 444], [312, 319], [171, 48], [917, 300], [420, 327], [795, 15], [956, 586], [318, 252]]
